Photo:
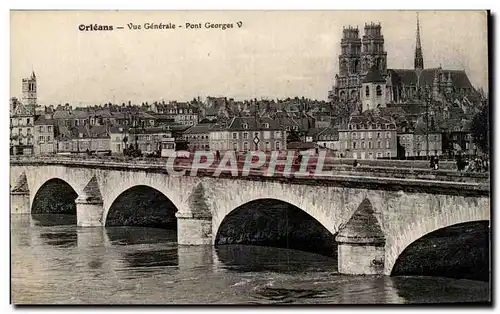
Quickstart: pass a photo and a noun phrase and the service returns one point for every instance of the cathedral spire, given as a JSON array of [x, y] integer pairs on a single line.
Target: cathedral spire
[[419, 58]]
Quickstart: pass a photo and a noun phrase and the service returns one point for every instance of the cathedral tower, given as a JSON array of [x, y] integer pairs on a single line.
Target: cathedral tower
[[350, 57], [373, 53], [346, 87], [419, 58], [29, 92]]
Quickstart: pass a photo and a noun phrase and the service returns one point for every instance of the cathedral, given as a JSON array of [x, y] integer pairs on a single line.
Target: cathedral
[[359, 56]]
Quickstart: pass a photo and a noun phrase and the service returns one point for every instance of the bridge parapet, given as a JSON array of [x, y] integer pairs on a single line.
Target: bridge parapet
[[343, 175]]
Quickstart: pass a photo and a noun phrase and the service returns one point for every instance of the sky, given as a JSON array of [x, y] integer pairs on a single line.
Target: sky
[[274, 54]]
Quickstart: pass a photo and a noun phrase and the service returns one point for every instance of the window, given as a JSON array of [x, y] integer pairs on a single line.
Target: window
[[353, 145], [370, 135], [387, 144], [388, 134], [287, 128], [388, 154], [266, 125], [245, 135], [363, 145], [370, 145], [379, 91], [354, 135], [49, 128], [367, 91], [245, 126], [235, 136], [277, 134], [268, 145], [235, 146], [245, 145], [379, 145], [362, 135], [256, 134], [41, 139], [378, 134], [28, 131], [28, 121], [267, 135], [277, 146]]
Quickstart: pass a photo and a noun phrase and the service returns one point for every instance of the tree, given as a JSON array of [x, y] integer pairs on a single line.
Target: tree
[[480, 129]]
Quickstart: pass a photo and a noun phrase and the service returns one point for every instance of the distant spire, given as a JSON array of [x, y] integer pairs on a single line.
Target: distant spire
[[419, 58]]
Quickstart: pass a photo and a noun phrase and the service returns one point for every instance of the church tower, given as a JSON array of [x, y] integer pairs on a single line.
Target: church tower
[[419, 58], [373, 90], [347, 80], [350, 57], [373, 53], [29, 92]]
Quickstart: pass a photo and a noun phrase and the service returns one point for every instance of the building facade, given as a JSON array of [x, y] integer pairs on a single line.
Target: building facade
[[22, 118], [43, 136], [368, 137], [198, 136], [248, 133]]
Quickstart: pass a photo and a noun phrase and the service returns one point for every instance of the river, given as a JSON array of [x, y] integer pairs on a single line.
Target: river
[[54, 262]]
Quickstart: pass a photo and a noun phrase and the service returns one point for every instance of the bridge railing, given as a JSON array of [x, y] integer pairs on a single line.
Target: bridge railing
[[337, 169]]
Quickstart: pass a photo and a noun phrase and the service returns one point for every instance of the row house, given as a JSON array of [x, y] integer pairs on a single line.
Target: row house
[[329, 138], [422, 140], [79, 139], [248, 133], [43, 136], [182, 112], [148, 140], [368, 137], [198, 136], [22, 119]]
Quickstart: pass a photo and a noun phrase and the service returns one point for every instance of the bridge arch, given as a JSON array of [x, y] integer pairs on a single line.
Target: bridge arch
[[54, 195], [275, 222], [172, 188], [447, 217], [142, 205]]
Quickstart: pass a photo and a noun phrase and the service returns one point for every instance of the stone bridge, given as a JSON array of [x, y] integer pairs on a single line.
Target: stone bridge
[[374, 213]]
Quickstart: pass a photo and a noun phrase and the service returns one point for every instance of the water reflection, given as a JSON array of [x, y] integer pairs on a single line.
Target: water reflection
[[62, 238], [47, 220], [248, 258], [66, 264]]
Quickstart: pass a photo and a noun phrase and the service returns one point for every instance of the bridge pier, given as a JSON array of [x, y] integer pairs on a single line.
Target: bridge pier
[[194, 225], [89, 206], [20, 196], [20, 202], [194, 229], [361, 249]]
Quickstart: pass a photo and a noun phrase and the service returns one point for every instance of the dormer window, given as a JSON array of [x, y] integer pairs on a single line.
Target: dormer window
[[266, 125], [245, 126], [287, 128]]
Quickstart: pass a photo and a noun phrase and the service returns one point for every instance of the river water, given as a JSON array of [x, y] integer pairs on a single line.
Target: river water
[[54, 262]]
